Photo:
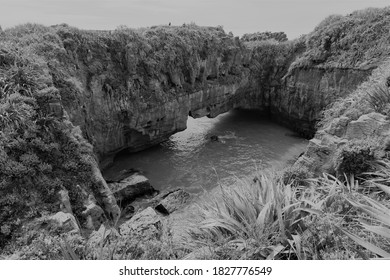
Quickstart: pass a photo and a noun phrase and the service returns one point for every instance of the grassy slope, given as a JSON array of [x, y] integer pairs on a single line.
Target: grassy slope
[[359, 40]]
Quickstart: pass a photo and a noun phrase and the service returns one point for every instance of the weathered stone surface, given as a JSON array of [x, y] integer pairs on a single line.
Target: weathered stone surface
[[130, 188], [93, 214], [338, 126], [65, 205], [65, 221], [126, 97], [304, 93], [129, 98], [321, 151], [368, 125], [104, 194], [172, 201], [146, 224], [119, 176]]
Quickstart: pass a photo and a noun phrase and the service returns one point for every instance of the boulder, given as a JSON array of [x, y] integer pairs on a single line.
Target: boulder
[[368, 125], [119, 176], [130, 188], [145, 224], [171, 201], [338, 126], [66, 221]]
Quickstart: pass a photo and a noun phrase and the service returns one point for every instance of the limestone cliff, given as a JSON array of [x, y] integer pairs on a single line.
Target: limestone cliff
[[133, 89], [293, 94], [352, 118]]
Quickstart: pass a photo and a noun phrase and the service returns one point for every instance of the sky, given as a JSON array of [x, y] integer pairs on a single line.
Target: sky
[[294, 17]]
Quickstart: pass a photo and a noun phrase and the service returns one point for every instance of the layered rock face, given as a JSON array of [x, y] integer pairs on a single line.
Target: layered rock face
[[306, 92], [292, 94], [352, 119], [134, 90]]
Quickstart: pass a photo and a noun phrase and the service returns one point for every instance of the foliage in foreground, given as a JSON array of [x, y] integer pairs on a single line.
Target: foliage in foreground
[[273, 220]]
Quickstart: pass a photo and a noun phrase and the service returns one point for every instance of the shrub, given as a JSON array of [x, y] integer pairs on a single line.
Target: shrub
[[296, 175], [355, 157], [379, 98], [349, 41]]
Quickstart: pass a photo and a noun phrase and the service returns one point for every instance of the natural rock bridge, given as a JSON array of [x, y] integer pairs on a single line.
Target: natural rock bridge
[[133, 91]]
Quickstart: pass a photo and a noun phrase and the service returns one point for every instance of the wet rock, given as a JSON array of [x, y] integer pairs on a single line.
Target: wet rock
[[146, 224], [66, 221], [130, 188], [172, 201], [119, 176]]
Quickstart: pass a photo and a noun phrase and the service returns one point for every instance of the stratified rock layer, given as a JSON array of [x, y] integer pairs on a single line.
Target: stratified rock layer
[[132, 90]]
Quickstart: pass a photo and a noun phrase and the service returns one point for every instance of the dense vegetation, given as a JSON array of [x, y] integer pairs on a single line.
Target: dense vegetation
[[41, 152], [265, 36], [360, 39]]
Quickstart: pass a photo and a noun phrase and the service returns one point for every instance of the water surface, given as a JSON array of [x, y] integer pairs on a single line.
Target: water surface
[[190, 160]]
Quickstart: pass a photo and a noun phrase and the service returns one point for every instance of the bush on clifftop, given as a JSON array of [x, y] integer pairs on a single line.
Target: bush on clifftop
[[360, 39]]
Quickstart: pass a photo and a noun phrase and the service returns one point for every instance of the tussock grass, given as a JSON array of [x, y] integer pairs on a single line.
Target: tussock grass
[[258, 219], [268, 219], [379, 98]]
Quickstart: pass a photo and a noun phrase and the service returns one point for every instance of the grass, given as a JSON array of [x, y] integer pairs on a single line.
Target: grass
[[379, 98], [357, 40], [273, 220]]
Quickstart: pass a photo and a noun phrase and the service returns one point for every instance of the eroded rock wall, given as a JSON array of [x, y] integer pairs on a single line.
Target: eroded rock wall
[[350, 119], [134, 90], [305, 93]]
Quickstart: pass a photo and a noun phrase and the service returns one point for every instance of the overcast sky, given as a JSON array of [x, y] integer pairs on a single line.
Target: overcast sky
[[295, 17]]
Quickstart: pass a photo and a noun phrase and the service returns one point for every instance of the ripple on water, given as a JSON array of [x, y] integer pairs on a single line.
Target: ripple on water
[[247, 142]]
